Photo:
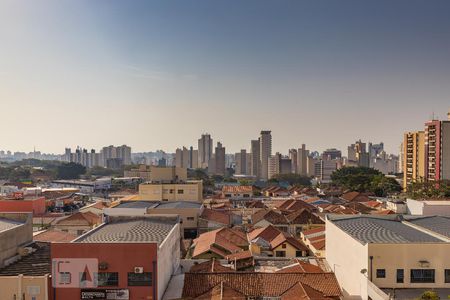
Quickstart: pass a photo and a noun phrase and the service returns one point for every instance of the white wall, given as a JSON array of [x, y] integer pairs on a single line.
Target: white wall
[[168, 259], [414, 207], [347, 257]]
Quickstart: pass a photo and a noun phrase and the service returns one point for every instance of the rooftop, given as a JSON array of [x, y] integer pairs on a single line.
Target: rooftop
[[377, 229], [137, 204], [6, 224], [151, 229], [53, 236], [178, 204], [437, 224], [37, 263]]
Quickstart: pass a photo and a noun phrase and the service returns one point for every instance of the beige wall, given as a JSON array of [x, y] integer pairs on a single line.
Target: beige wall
[[189, 191], [167, 173], [414, 157], [347, 257], [290, 250], [184, 214], [407, 256], [31, 286]]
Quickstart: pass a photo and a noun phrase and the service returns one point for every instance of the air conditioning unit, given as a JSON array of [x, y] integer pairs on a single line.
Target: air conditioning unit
[[138, 270]]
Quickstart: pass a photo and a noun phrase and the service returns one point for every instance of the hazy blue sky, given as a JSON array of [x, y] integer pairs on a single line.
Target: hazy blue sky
[[156, 74]]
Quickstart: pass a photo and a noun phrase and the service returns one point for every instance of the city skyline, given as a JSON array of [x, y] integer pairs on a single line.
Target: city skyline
[[114, 73]]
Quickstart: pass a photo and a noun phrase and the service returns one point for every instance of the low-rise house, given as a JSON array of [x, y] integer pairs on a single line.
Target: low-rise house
[[373, 204], [219, 244], [211, 219], [275, 191], [397, 206], [241, 260], [314, 239], [355, 197], [78, 223], [210, 266], [302, 219], [250, 285], [266, 217], [238, 192], [96, 208], [270, 241]]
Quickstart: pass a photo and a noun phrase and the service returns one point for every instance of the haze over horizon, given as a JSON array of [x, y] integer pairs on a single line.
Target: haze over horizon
[[157, 74]]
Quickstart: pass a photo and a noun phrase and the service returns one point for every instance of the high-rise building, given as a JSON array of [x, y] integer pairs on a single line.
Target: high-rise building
[[205, 150], [293, 155], [256, 158], [414, 157], [265, 152], [302, 160], [331, 154], [279, 164], [241, 162], [437, 150], [186, 158], [219, 156], [358, 155]]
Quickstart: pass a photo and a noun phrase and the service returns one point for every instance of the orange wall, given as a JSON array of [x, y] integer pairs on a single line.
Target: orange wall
[[121, 258], [36, 206]]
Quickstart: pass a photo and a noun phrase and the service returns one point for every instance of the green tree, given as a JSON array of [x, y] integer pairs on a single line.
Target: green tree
[[382, 186], [355, 178], [70, 171], [429, 295]]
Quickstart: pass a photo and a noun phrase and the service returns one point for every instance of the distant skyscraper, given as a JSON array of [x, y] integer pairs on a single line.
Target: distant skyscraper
[[302, 155], [331, 154], [241, 162], [265, 152], [205, 147], [293, 155], [220, 159], [256, 158], [279, 164], [358, 155]]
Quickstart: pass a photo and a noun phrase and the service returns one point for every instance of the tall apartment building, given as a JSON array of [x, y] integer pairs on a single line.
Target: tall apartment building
[[205, 150], [331, 154], [255, 158], [327, 167], [302, 160], [265, 152], [218, 161], [437, 150], [358, 155], [279, 164], [122, 153], [293, 155], [186, 158], [413, 157], [241, 162]]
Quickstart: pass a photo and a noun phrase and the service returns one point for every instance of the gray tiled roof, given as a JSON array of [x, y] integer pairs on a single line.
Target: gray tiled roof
[[382, 230], [37, 263], [437, 224], [6, 224], [178, 204], [137, 204], [131, 230]]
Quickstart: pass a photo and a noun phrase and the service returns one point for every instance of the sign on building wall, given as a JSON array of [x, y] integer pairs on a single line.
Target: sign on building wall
[[103, 294]]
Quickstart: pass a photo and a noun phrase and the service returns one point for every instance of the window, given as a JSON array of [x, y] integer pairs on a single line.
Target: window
[[422, 275], [180, 191], [298, 253], [171, 191], [65, 278], [108, 279], [447, 275], [283, 246], [140, 279], [280, 253], [400, 275], [381, 273], [190, 218]]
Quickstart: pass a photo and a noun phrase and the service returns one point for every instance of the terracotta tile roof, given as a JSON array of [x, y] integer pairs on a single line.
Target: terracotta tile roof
[[222, 291], [221, 241], [294, 205], [240, 255], [270, 216], [304, 216], [215, 216], [314, 230], [355, 196], [260, 284], [301, 267], [275, 237], [51, 236], [385, 212], [373, 204], [237, 189], [209, 266], [80, 218]]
